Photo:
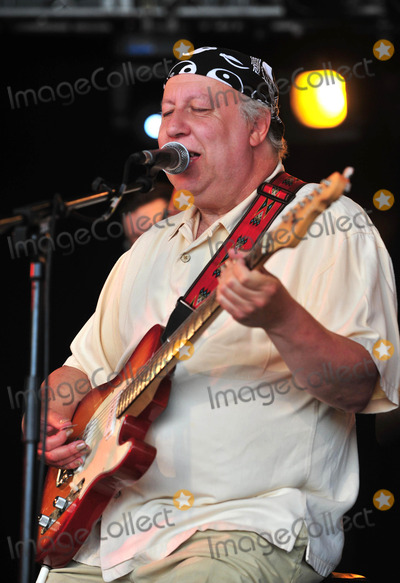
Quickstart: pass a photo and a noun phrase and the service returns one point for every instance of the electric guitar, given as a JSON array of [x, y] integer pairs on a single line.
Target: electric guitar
[[113, 418]]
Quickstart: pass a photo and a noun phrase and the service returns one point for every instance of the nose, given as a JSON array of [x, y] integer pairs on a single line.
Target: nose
[[175, 125]]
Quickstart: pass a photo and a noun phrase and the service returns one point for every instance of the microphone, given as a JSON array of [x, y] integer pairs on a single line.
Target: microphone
[[173, 158]]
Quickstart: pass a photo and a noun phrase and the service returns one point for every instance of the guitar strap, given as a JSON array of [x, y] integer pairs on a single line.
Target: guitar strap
[[271, 199]]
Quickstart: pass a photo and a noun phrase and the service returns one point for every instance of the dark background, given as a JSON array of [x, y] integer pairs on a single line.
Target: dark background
[[52, 148]]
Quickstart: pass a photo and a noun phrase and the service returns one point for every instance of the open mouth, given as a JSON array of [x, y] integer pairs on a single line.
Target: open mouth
[[193, 156]]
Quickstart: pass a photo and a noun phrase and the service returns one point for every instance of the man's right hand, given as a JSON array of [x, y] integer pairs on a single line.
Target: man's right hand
[[59, 426], [57, 452]]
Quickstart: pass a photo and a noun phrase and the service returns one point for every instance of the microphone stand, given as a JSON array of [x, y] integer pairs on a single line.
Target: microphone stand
[[42, 209], [35, 219]]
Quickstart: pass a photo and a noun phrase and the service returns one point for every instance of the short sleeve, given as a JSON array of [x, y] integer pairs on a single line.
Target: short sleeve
[[362, 305]]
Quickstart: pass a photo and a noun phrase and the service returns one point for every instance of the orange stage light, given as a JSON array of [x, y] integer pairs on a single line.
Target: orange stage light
[[318, 98]]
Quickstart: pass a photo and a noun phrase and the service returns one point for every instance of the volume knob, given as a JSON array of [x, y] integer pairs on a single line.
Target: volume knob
[[45, 521], [60, 503]]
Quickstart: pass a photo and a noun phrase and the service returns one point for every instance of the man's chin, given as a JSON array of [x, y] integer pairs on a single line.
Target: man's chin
[[185, 181]]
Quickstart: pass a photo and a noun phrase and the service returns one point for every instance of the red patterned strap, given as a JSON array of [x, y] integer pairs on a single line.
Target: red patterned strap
[[272, 198]]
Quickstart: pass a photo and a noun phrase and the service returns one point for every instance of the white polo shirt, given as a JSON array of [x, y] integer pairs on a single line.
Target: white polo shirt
[[240, 445]]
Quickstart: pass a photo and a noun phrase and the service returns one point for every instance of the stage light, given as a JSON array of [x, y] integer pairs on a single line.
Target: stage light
[[152, 125], [318, 98], [347, 576]]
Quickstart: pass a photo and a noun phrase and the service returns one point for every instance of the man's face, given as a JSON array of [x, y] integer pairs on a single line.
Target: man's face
[[203, 114]]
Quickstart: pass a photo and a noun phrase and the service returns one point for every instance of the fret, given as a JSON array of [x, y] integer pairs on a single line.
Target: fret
[[146, 376], [193, 326], [121, 406], [157, 368], [135, 391], [166, 358], [162, 358]]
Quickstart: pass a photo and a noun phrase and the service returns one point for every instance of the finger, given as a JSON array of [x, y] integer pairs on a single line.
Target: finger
[[56, 439], [55, 421], [69, 454], [67, 464], [236, 254], [234, 304], [232, 290], [227, 303], [246, 284], [69, 449]]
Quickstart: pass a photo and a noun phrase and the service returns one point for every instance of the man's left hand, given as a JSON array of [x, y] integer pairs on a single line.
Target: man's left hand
[[253, 298]]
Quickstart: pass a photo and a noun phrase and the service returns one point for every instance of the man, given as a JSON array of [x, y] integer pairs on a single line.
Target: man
[[256, 452]]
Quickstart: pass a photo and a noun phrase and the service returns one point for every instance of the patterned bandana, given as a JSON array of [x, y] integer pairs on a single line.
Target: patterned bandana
[[248, 75]]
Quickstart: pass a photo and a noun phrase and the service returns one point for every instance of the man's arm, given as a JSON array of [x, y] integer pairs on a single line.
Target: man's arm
[[258, 299], [63, 381]]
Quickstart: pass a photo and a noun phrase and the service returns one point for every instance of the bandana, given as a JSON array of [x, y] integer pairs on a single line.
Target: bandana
[[248, 75]]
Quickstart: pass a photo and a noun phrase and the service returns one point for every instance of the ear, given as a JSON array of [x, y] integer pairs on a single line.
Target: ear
[[260, 129]]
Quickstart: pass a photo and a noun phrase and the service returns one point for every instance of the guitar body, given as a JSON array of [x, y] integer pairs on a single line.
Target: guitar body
[[74, 500]]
